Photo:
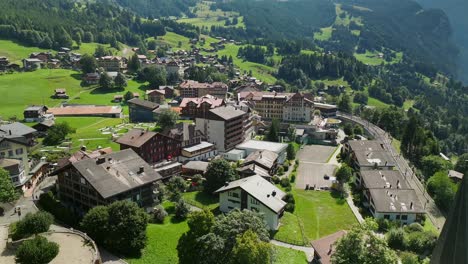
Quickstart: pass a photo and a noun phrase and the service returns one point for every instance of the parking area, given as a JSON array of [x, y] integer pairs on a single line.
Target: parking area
[[313, 170], [315, 153]]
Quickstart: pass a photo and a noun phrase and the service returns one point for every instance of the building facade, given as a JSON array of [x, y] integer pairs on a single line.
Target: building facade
[[199, 107], [141, 110], [15, 149], [194, 89]]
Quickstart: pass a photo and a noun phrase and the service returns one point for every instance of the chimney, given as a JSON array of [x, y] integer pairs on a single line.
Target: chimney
[[226, 184], [9, 132], [83, 148], [398, 184], [273, 193], [411, 206], [141, 170], [100, 160]]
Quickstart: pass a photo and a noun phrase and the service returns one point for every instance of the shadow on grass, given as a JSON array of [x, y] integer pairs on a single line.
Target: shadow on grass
[[338, 196], [107, 91], [76, 76]]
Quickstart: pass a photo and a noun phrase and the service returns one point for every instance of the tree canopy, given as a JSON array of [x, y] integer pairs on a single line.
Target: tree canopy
[[219, 172], [7, 189]]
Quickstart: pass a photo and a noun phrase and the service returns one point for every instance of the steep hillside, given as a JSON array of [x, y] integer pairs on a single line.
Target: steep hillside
[[456, 11], [158, 8]]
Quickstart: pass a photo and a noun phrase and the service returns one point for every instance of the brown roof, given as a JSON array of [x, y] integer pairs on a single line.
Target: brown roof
[[213, 101], [156, 91], [324, 246], [136, 137], [84, 110]]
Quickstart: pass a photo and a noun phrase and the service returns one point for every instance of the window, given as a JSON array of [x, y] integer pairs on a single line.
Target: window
[[253, 201], [10, 153], [19, 151], [404, 217], [233, 201], [230, 207], [82, 180], [397, 217], [2, 154], [386, 216]]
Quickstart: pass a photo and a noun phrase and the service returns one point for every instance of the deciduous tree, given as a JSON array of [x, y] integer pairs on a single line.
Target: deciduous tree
[[7, 189], [217, 174]]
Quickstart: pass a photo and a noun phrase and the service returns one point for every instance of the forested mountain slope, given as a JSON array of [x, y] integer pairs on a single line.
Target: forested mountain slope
[[456, 11], [158, 8]]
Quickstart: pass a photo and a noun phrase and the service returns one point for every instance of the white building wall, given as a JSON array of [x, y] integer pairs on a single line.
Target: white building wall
[[227, 203], [203, 156], [393, 216], [213, 130]]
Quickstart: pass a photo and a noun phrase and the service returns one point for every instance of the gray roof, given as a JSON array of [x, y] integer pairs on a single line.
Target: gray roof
[[14, 138], [143, 103], [118, 173], [455, 174], [263, 145], [197, 147], [366, 145], [227, 112], [136, 137], [254, 169], [16, 128], [196, 165], [264, 158], [384, 179], [35, 108], [396, 201], [260, 189], [370, 158]]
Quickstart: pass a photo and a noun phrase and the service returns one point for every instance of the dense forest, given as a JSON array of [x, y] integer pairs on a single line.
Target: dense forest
[[57, 23], [158, 8]]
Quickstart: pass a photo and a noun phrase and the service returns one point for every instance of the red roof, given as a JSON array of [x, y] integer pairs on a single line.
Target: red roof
[[213, 101]]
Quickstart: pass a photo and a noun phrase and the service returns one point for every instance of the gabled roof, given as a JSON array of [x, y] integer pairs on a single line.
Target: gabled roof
[[324, 246], [136, 138], [212, 100], [36, 108], [455, 174], [116, 172], [14, 138], [143, 103], [16, 128], [261, 189], [366, 145], [265, 158]]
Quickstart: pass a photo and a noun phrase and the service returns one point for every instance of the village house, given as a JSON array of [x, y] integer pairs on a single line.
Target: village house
[[117, 176], [141, 110], [201, 151], [19, 129], [168, 168], [4, 62], [60, 93], [156, 96], [256, 194], [261, 162], [32, 64], [91, 78], [35, 113], [44, 126], [225, 127], [252, 146], [111, 63], [455, 176], [153, 147], [168, 90], [14, 149], [199, 107], [194, 89], [186, 133], [194, 167], [325, 247]]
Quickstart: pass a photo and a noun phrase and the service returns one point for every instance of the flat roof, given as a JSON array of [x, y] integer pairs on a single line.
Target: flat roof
[[196, 165], [263, 145], [363, 145], [371, 158], [200, 146], [84, 110]]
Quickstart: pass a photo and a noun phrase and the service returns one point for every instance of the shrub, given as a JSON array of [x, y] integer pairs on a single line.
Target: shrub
[[385, 224], [33, 224], [409, 258], [288, 188], [396, 238], [275, 179], [290, 207], [421, 242], [286, 166], [289, 198], [285, 182], [181, 209], [281, 171], [36, 251], [293, 177], [414, 227], [48, 202], [159, 213]]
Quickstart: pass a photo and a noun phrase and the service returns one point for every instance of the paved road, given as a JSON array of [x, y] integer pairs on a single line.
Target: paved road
[[436, 217]]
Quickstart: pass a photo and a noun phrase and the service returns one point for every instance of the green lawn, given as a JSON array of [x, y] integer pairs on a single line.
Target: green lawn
[[16, 52], [372, 58], [201, 200], [396, 144], [260, 71], [290, 231], [289, 256], [19, 90], [408, 104], [162, 240], [324, 34], [322, 214], [172, 39], [376, 103]]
